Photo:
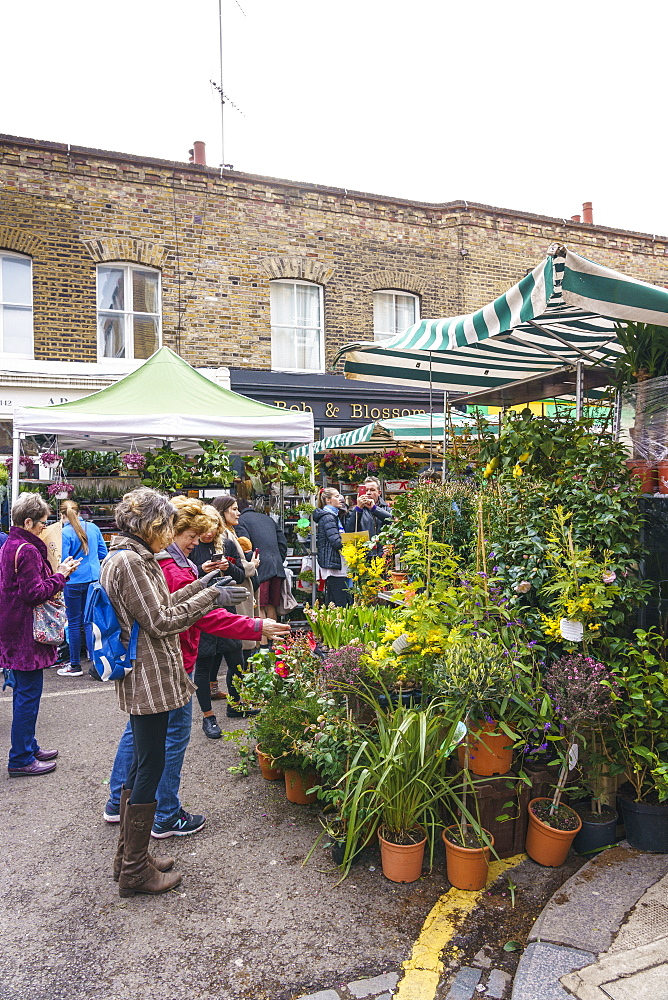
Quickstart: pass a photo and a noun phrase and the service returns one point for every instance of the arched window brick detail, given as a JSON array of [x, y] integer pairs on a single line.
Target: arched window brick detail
[[401, 280], [113, 248], [299, 268], [19, 241]]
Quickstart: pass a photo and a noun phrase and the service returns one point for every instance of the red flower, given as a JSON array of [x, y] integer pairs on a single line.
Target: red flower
[[281, 669], [312, 641]]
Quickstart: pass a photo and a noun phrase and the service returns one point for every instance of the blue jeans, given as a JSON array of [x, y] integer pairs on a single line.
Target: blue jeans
[[77, 633], [28, 686], [178, 737]]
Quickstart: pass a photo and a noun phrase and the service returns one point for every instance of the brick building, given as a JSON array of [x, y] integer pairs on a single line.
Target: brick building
[[106, 255]]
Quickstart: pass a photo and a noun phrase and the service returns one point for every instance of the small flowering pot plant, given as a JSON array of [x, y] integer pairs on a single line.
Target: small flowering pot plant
[[60, 490], [49, 459], [581, 691], [133, 460], [26, 466]]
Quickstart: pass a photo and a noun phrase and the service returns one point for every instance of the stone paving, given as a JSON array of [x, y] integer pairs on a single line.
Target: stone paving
[[376, 988]]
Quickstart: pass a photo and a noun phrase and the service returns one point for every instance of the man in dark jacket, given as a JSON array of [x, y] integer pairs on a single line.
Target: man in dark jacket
[[370, 513], [265, 535]]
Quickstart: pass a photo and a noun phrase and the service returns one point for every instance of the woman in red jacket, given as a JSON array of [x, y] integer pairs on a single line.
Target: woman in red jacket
[[170, 818]]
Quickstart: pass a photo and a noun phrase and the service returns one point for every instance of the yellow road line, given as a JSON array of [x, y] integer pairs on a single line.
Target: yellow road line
[[424, 968]]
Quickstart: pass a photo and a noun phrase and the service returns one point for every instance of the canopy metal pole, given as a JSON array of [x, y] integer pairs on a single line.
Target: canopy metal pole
[[445, 432], [579, 378], [312, 546], [16, 457], [617, 416]]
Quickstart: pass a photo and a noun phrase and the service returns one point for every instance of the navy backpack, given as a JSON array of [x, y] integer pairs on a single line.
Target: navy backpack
[[112, 659]]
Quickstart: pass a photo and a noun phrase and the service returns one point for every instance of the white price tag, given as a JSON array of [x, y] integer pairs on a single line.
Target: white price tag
[[572, 756]]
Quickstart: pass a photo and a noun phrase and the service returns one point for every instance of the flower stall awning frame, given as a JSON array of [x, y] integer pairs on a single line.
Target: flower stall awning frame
[[407, 433], [561, 314], [164, 399]]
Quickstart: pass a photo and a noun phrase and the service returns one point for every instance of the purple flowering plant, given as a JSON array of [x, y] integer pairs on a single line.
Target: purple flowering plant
[[582, 692]]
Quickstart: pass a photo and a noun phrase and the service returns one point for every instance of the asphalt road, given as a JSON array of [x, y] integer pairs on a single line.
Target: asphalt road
[[248, 921]]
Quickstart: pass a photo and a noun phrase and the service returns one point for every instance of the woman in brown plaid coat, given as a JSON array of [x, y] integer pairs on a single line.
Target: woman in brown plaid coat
[[157, 683]]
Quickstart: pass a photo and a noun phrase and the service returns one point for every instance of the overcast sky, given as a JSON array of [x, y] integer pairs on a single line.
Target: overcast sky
[[532, 106]]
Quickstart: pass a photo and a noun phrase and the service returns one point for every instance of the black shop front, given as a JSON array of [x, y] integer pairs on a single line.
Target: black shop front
[[337, 403]]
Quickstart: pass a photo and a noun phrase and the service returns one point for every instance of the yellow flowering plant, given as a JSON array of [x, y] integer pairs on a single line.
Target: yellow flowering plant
[[580, 588], [367, 574]]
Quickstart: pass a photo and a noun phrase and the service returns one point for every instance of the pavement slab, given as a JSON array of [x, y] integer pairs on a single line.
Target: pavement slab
[[638, 974], [541, 967], [589, 908]]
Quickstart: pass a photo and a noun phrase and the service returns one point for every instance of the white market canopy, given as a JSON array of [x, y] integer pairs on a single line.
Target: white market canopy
[[561, 313], [163, 400]]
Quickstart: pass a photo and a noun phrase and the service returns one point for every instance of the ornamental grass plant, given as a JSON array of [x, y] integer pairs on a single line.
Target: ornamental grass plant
[[397, 779]]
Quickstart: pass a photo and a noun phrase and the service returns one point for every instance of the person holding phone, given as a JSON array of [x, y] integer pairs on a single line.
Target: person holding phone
[[329, 518], [223, 552], [27, 580], [370, 513]]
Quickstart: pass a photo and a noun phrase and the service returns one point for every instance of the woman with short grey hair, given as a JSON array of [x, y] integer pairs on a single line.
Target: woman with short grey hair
[[26, 581], [157, 684]]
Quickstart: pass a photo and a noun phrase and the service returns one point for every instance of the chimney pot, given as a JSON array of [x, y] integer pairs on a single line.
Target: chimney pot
[[587, 213], [199, 153], [575, 218]]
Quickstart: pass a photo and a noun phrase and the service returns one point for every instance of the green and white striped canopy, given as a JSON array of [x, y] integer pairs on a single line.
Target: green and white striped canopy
[[409, 433], [562, 312]]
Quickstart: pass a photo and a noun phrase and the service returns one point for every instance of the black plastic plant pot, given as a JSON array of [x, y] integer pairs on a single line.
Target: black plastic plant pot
[[646, 826], [598, 832], [338, 852], [409, 699]]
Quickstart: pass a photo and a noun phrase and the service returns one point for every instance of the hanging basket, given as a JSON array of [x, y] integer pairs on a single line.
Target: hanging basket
[[570, 630]]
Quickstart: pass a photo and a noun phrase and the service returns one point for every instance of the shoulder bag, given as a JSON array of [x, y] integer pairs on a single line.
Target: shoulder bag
[[48, 618]]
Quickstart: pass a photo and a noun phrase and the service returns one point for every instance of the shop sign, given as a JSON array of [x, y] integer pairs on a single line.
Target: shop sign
[[347, 411]]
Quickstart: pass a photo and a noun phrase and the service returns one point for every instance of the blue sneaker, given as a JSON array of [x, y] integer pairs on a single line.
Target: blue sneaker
[[112, 812], [182, 824]]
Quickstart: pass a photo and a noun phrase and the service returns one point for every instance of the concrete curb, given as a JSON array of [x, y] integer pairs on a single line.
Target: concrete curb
[[582, 918]]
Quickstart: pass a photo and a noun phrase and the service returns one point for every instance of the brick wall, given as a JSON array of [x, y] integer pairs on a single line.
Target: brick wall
[[218, 243]]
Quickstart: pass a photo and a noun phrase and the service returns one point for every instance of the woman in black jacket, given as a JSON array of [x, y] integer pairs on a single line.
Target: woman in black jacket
[[213, 648], [329, 519]]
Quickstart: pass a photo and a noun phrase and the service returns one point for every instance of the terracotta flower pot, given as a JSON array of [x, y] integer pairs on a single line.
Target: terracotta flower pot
[[662, 472], [268, 772], [401, 862], [544, 844], [397, 578], [296, 785], [490, 750], [467, 867], [645, 472]]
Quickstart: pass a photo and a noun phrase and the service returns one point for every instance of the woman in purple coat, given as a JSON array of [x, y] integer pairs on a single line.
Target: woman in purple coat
[[26, 580]]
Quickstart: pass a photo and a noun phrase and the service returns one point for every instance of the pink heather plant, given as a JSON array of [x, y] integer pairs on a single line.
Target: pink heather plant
[[574, 684]]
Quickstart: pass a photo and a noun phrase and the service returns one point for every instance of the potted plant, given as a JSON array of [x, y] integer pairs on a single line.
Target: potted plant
[[580, 691], [635, 738], [60, 490], [214, 466], [133, 462], [479, 677], [395, 784], [27, 466], [283, 723], [581, 589], [167, 470]]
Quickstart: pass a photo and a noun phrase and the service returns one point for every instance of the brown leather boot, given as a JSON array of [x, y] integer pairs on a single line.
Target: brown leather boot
[[162, 864], [137, 873]]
